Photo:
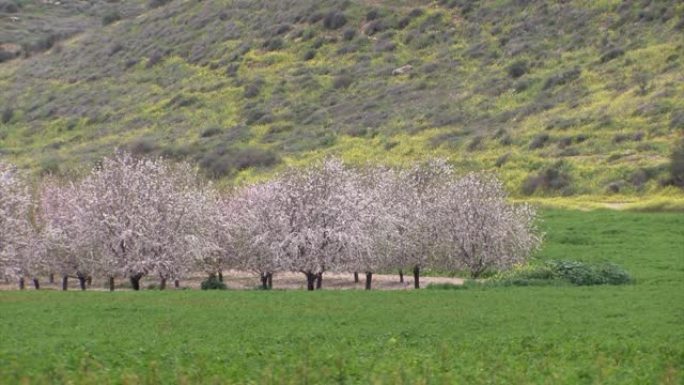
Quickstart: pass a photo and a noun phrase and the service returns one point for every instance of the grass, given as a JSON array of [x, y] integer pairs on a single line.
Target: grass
[[543, 335]]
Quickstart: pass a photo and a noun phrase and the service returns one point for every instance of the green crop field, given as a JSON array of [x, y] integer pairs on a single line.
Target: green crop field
[[561, 334]]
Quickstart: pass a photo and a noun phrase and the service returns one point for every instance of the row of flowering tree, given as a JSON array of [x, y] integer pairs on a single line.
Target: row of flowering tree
[[131, 218]]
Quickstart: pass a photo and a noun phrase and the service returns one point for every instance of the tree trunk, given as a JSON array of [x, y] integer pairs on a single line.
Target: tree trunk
[[22, 283], [416, 277], [111, 283], [270, 281], [369, 279], [319, 280], [162, 284], [401, 276], [36, 283], [89, 280], [220, 275], [51, 278], [310, 278], [264, 281], [81, 281], [65, 282], [176, 283], [356, 277], [135, 281]]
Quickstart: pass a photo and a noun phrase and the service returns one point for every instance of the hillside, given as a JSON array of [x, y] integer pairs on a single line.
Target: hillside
[[578, 97]]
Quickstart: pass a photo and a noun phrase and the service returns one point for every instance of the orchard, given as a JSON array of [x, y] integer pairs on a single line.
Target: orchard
[[134, 217]]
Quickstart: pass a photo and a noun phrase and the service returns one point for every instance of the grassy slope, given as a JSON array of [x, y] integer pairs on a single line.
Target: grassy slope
[[227, 84], [556, 335]]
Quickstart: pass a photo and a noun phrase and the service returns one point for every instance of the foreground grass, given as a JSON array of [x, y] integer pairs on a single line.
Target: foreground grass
[[558, 335]]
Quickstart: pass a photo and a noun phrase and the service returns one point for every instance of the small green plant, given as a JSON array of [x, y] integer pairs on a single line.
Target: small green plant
[[213, 283]]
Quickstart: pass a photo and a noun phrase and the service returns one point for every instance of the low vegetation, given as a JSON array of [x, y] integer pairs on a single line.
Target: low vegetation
[[592, 84], [564, 334]]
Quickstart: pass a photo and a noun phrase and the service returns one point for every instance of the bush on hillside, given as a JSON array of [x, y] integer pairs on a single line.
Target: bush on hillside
[[551, 179], [517, 69], [334, 20], [157, 3], [111, 17], [677, 165], [562, 78]]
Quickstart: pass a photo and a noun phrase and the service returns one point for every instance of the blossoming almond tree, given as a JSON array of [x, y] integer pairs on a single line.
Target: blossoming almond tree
[[21, 252], [254, 225], [68, 247], [479, 229], [415, 204], [146, 215], [317, 213], [374, 224]]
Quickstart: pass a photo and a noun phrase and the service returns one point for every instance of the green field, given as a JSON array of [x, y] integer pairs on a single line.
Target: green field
[[631, 334]]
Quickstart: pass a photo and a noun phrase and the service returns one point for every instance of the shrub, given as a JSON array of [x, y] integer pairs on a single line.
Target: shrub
[[223, 162], [310, 54], [342, 81], [111, 17], [539, 141], [253, 89], [560, 271], [349, 34], [584, 274], [142, 146], [9, 7], [517, 69], [211, 131], [611, 54], [6, 56], [154, 58], [213, 283], [551, 179], [677, 164], [372, 14], [7, 114], [157, 3], [334, 20], [677, 121], [273, 44], [500, 161], [562, 78]]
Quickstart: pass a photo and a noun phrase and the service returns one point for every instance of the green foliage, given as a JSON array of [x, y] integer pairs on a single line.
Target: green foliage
[[327, 70], [558, 334], [575, 272], [111, 17], [677, 164], [213, 283]]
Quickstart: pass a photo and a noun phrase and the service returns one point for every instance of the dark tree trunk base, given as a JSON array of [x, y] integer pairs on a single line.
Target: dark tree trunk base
[[416, 277], [369, 280], [310, 280], [319, 281], [135, 281], [176, 283], [36, 283], [111, 284], [22, 284], [162, 284], [220, 275], [264, 281], [401, 276], [65, 282], [356, 277], [81, 281]]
